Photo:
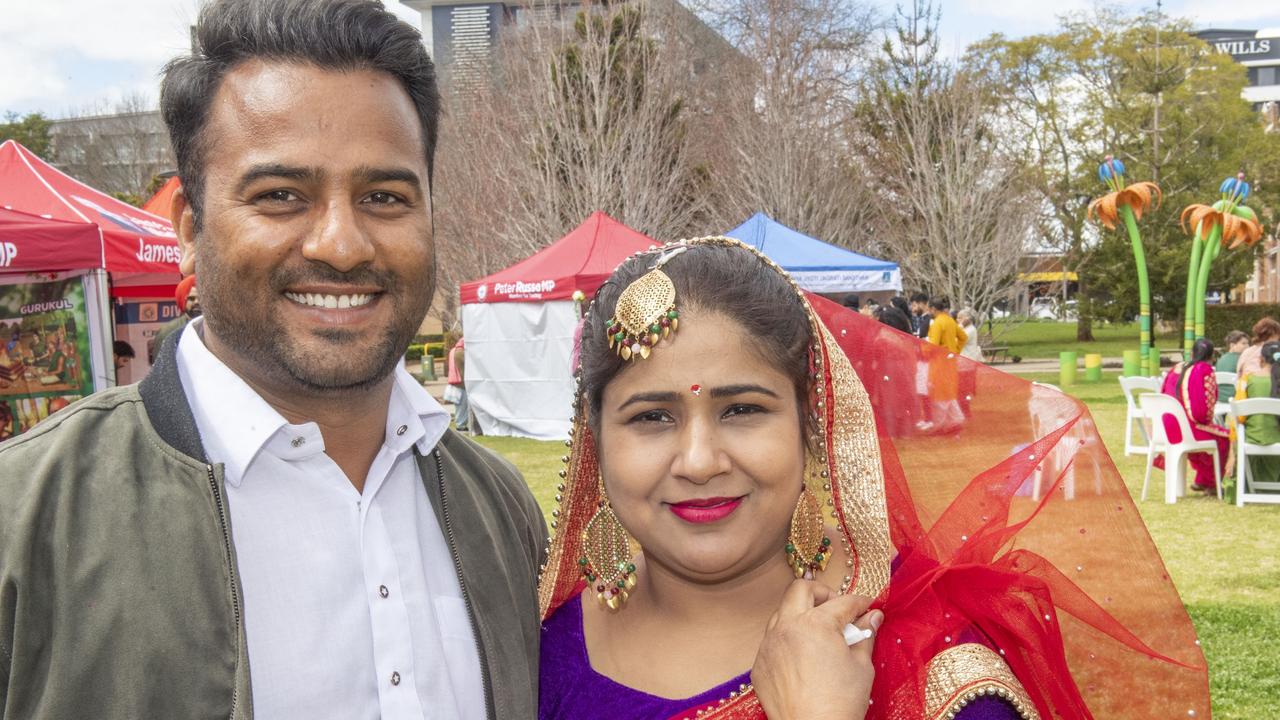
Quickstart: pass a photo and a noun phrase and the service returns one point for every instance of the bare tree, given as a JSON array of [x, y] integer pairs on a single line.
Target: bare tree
[[962, 210], [116, 148], [577, 117], [786, 137]]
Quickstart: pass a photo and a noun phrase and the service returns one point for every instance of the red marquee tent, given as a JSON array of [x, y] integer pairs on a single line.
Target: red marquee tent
[[520, 325], [581, 260], [30, 243], [159, 203], [129, 240]]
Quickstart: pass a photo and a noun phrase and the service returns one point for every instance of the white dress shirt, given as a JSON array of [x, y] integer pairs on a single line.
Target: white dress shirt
[[352, 605]]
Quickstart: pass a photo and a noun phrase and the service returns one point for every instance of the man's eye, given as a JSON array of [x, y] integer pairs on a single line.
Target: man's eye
[[384, 198], [278, 196]]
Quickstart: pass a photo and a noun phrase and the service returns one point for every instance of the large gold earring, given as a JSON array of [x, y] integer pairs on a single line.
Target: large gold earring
[[606, 556], [808, 547]]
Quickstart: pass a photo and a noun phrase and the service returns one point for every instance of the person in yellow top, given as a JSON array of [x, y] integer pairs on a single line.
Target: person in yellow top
[[944, 377], [943, 329]]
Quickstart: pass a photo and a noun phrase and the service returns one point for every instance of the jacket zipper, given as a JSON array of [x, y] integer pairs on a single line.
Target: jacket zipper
[[466, 596], [231, 573]]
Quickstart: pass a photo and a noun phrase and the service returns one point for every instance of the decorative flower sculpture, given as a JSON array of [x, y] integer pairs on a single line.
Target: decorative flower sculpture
[[1226, 223], [1127, 204], [1137, 197]]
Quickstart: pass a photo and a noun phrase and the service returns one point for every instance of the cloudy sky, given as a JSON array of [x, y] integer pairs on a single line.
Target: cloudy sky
[[67, 56]]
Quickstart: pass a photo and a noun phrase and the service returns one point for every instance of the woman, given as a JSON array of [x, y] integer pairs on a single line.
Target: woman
[[1236, 343], [1195, 386], [1264, 331], [971, 349], [1263, 429], [719, 411]]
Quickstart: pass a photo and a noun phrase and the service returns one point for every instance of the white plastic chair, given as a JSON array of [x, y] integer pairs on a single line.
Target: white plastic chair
[[1246, 489], [1221, 409], [1155, 406], [1133, 387]]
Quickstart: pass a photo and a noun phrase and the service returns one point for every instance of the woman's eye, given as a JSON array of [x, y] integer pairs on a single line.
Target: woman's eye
[[733, 410], [652, 416]]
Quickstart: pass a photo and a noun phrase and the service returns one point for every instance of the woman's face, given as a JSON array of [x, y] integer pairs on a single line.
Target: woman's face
[[702, 452]]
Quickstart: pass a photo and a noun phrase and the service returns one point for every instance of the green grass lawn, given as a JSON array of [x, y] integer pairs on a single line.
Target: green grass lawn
[[1041, 339], [1223, 559]]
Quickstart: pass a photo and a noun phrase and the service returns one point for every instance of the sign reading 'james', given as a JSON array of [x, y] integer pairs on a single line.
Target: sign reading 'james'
[[151, 252]]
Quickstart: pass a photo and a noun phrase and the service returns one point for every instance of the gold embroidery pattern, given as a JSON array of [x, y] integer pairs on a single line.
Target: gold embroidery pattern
[[959, 675], [857, 475]]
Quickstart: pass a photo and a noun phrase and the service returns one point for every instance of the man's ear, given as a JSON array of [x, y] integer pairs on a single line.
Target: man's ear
[[184, 224]]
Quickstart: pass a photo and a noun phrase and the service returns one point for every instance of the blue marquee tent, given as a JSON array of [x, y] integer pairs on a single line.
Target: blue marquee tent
[[815, 265]]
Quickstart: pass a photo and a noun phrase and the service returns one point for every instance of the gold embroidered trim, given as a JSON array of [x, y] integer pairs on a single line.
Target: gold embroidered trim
[[959, 675], [854, 460]]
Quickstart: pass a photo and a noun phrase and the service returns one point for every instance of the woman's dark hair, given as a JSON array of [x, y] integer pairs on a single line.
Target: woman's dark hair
[[1202, 351], [339, 35], [1270, 351], [893, 317], [730, 281], [940, 303], [1266, 330], [901, 303]]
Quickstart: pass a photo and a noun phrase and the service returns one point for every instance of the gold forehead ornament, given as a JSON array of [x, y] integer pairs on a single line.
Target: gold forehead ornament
[[646, 311]]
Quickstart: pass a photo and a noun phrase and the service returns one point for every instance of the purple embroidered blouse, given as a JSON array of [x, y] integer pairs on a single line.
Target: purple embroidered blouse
[[572, 690]]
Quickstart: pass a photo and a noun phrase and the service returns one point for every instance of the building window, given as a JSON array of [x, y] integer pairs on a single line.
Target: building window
[[1268, 75]]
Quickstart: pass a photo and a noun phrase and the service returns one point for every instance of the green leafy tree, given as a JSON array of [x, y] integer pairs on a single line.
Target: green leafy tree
[[1145, 90], [32, 130]]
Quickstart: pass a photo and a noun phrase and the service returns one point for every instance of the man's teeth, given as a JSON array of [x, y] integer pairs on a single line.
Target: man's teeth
[[329, 301]]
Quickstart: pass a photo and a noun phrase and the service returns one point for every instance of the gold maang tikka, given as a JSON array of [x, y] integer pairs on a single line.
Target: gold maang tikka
[[646, 311]]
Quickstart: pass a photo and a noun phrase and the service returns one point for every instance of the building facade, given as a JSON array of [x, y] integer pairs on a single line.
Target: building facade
[[1259, 52], [120, 153]]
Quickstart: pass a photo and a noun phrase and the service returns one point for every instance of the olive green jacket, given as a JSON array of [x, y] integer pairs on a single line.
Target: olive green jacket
[[119, 592]]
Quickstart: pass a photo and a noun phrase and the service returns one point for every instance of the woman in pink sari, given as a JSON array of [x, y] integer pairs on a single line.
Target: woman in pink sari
[[1196, 388]]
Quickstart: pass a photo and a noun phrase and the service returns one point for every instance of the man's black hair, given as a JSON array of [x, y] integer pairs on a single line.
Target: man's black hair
[[940, 302], [339, 35], [919, 297], [122, 349]]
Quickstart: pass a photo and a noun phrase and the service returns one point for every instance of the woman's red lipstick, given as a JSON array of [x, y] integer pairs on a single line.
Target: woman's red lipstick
[[705, 510]]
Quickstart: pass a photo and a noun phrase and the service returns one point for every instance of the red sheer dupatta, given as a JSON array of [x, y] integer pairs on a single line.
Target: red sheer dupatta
[[990, 524], [1014, 531]]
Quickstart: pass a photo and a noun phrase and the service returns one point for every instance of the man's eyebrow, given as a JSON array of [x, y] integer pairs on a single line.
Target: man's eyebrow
[[724, 391], [368, 174], [656, 397], [275, 170]]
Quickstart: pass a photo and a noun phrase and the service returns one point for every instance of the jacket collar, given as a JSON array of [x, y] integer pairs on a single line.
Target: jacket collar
[[166, 403]]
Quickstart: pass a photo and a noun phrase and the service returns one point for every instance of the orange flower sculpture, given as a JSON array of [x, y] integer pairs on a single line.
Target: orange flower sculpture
[[1238, 228], [1138, 196]]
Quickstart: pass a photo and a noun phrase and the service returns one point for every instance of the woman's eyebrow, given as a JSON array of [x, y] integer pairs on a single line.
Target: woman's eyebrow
[[656, 397], [723, 391]]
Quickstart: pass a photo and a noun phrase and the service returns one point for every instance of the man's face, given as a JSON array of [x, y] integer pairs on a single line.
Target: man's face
[[917, 307], [193, 303], [315, 258]]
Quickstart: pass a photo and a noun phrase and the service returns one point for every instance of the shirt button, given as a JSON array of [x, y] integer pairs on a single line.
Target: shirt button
[[383, 591], [402, 429], [395, 678], [298, 442]]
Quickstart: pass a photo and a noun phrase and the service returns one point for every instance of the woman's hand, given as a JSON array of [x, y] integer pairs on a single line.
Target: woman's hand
[[804, 670]]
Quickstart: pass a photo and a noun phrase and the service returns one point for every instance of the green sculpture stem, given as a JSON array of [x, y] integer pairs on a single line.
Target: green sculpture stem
[[1213, 246], [1193, 274], [1144, 290]]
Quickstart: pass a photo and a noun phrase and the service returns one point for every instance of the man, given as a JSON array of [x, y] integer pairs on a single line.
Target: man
[[123, 354], [943, 329], [277, 523], [187, 298], [920, 315]]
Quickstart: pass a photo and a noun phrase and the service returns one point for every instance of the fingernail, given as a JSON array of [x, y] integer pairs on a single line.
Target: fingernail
[[875, 619]]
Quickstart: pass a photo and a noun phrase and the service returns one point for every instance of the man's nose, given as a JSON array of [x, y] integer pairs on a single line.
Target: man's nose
[[339, 239]]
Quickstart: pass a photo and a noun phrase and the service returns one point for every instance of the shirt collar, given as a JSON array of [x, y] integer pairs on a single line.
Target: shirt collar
[[235, 423]]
